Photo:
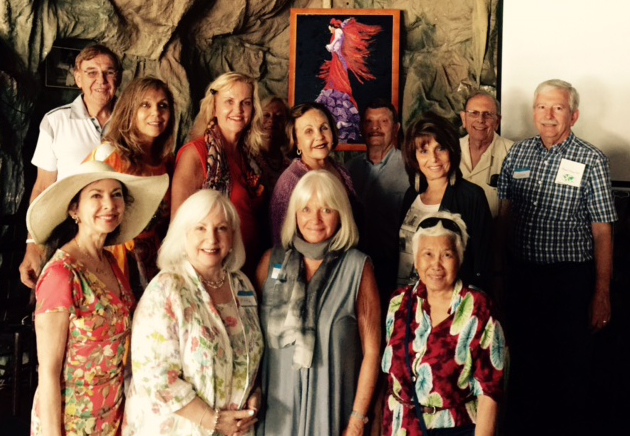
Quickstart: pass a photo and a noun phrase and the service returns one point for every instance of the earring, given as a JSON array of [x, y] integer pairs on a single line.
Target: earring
[[416, 183], [76, 219], [298, 152]]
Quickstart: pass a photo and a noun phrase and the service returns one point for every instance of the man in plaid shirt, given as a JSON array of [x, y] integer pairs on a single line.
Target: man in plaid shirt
[[556, 204]]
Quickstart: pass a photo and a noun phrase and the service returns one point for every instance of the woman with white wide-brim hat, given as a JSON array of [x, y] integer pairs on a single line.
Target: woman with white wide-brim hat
[[82, 317]]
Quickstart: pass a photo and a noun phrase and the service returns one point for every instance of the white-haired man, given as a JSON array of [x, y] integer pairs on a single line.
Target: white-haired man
[[556, 199]]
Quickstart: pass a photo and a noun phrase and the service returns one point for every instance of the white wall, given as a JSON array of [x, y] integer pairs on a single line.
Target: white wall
[[583, 42]]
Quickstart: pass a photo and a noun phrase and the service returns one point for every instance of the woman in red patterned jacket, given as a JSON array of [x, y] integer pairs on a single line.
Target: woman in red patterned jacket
[[445, 349]]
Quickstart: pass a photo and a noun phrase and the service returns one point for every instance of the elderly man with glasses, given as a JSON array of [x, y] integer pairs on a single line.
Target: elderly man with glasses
[[67, 134], [483, 150]]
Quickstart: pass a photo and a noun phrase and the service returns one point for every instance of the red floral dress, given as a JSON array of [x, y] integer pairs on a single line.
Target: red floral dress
[[98, 338], [453, 362]]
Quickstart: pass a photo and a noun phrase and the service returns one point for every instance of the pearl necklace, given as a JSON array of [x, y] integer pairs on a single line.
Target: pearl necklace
[[213, 284]]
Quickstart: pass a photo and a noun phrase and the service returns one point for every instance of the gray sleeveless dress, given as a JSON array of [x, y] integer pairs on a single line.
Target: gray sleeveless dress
[[316, 400]]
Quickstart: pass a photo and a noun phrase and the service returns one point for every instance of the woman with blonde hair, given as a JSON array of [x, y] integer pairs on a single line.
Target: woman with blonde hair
[[321, 315], [140, 141], [226, 140]]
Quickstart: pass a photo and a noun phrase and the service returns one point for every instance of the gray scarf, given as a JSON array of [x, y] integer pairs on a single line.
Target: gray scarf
[[293, 306]]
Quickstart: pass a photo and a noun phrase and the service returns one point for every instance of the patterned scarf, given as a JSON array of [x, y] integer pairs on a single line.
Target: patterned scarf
[[293, 303], [218, 170]]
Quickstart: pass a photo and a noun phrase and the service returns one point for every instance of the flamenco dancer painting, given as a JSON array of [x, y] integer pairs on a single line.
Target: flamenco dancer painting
[[350, 48]]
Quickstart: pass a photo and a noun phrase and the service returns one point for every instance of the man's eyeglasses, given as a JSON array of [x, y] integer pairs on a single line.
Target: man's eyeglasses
[[484, 115], [93, 74]]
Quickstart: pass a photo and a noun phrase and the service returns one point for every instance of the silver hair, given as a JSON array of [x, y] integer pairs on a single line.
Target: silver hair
[[331, 193], [460, 241], [574, 97], [172, 253]]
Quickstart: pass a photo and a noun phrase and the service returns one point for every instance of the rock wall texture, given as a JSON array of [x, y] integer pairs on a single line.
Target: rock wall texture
[[448, 48]]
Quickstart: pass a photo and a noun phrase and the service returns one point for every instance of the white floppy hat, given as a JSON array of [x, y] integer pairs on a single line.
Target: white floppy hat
[[50, 208]]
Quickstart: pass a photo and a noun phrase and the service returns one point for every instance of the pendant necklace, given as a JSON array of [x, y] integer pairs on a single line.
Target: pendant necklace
[[99, 269]]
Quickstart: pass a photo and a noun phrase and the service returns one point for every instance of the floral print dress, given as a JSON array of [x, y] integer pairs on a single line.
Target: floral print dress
[[182, 348], [98, 338], [453, 362]]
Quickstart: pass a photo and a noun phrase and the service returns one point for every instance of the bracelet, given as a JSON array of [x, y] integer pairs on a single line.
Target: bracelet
[[364, 419], [30, 241], [202, 416], [216, 421]]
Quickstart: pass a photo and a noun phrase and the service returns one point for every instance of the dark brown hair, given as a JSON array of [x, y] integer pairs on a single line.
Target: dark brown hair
[[419, 133]]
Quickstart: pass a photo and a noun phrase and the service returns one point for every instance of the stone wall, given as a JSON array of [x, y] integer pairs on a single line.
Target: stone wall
[[448, 48]]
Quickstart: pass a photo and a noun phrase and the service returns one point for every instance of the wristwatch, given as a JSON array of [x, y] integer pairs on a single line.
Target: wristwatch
[[360, 416]]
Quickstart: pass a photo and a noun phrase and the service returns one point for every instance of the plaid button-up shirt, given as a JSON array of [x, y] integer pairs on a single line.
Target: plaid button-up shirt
[[551, 222]]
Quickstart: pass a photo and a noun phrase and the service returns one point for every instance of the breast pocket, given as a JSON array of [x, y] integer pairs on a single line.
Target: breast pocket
[[565, 202]]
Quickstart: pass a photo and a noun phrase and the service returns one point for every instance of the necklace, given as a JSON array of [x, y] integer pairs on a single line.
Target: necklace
[[96, 263], [213, 284]]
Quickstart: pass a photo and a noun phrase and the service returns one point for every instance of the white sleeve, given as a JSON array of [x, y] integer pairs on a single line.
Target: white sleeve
[[44, 156]]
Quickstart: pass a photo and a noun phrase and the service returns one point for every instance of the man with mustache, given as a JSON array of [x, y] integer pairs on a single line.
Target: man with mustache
[[556, 201], [483, 150], [380, 181], [69, 133]]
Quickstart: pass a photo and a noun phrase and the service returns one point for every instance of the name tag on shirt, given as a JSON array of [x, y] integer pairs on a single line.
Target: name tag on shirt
[[522, 173], [570, 173], [247, 298], [275, 272]]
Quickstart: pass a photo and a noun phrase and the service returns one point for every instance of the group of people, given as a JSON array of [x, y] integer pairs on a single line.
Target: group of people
[[253, 284]]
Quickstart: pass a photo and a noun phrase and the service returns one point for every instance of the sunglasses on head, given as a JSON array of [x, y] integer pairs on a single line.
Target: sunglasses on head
[[447, 223]]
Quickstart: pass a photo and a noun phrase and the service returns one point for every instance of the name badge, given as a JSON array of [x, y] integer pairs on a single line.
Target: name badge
[[277, 267], [570, 173], [247, 298], [522, 173]]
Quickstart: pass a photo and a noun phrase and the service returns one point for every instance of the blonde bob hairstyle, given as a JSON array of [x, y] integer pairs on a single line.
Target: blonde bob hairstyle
[[172, 254], [253, 136], [331, 193], [438, 229]]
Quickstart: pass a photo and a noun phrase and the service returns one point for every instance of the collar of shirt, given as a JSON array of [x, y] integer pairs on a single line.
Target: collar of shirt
[[420, 290], [389, 154], [78, 111], [557, 148]]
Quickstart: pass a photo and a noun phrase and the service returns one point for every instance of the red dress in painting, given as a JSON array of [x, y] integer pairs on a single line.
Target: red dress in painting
[[349, 46]]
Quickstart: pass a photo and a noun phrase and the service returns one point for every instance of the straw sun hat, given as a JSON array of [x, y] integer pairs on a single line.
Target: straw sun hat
[[50, 208]]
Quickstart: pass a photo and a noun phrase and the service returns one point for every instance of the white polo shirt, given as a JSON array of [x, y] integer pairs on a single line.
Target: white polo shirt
[[67, 135]]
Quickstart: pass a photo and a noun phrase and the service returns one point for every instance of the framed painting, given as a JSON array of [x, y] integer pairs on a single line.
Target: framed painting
[[344, 58], [60, 67]]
